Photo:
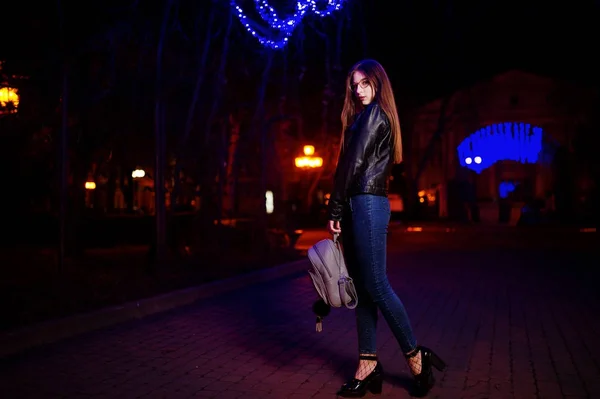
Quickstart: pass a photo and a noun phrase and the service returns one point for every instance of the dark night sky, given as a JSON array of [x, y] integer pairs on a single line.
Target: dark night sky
[[436, 52], [427, 46]]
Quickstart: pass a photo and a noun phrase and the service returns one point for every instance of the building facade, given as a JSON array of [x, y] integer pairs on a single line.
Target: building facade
[[496, 143]]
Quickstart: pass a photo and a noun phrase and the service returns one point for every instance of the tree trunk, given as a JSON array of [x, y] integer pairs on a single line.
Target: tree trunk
[[259, 121], [181, 153], [223, 147], [230, 175], [63, 149], [258, 132], [160, 150], [328, 98], [211, 165], [219, 79]]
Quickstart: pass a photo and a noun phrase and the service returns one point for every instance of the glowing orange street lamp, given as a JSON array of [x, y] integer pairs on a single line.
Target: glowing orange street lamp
[[9, 99], [308, 161], [138, 173], [90, 185]]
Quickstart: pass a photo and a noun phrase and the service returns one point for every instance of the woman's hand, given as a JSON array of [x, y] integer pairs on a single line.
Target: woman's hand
[[334, 227]]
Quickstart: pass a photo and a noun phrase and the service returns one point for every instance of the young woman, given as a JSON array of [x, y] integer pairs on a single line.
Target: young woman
[[359, 210]]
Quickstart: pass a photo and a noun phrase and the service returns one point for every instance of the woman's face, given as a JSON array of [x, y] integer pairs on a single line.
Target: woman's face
[[361, 88]]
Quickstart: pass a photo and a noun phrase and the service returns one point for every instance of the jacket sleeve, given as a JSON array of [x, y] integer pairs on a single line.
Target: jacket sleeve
[[363, 136]]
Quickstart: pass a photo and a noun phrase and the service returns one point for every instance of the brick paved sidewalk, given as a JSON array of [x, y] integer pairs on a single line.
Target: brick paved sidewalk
[[507, 328]]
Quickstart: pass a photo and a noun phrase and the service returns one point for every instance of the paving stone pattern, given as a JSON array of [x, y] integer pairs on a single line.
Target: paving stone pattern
[[510, 324]]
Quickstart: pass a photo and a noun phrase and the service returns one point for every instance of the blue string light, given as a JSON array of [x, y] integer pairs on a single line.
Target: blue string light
[[502, 141], [284, 27]]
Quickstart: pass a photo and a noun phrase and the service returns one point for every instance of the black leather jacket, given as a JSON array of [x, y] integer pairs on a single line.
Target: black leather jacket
[[365, 161]]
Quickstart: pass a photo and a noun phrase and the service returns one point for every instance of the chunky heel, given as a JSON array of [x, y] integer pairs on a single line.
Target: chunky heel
[[376, 385], [425, 380], [437, 362], [373, 383]]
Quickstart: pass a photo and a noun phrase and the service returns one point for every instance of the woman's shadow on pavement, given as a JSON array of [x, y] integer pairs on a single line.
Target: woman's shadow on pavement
[[294, 337]]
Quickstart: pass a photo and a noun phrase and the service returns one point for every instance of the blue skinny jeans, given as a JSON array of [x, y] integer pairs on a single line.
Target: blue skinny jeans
[[364, 237]]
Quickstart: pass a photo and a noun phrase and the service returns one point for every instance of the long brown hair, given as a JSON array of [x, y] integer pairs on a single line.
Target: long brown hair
[[384, 96]]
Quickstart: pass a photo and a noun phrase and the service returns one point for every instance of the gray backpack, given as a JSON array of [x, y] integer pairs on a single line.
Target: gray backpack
[[330, 276]]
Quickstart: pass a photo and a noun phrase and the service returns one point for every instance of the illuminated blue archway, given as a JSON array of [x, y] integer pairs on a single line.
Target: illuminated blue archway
[[514, 141]]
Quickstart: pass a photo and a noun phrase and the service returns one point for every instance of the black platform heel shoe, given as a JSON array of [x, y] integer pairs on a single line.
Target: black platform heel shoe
[[425, 380], [356, 388]]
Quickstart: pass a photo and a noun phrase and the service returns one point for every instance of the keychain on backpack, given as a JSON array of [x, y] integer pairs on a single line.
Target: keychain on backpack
[[321, 309]]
